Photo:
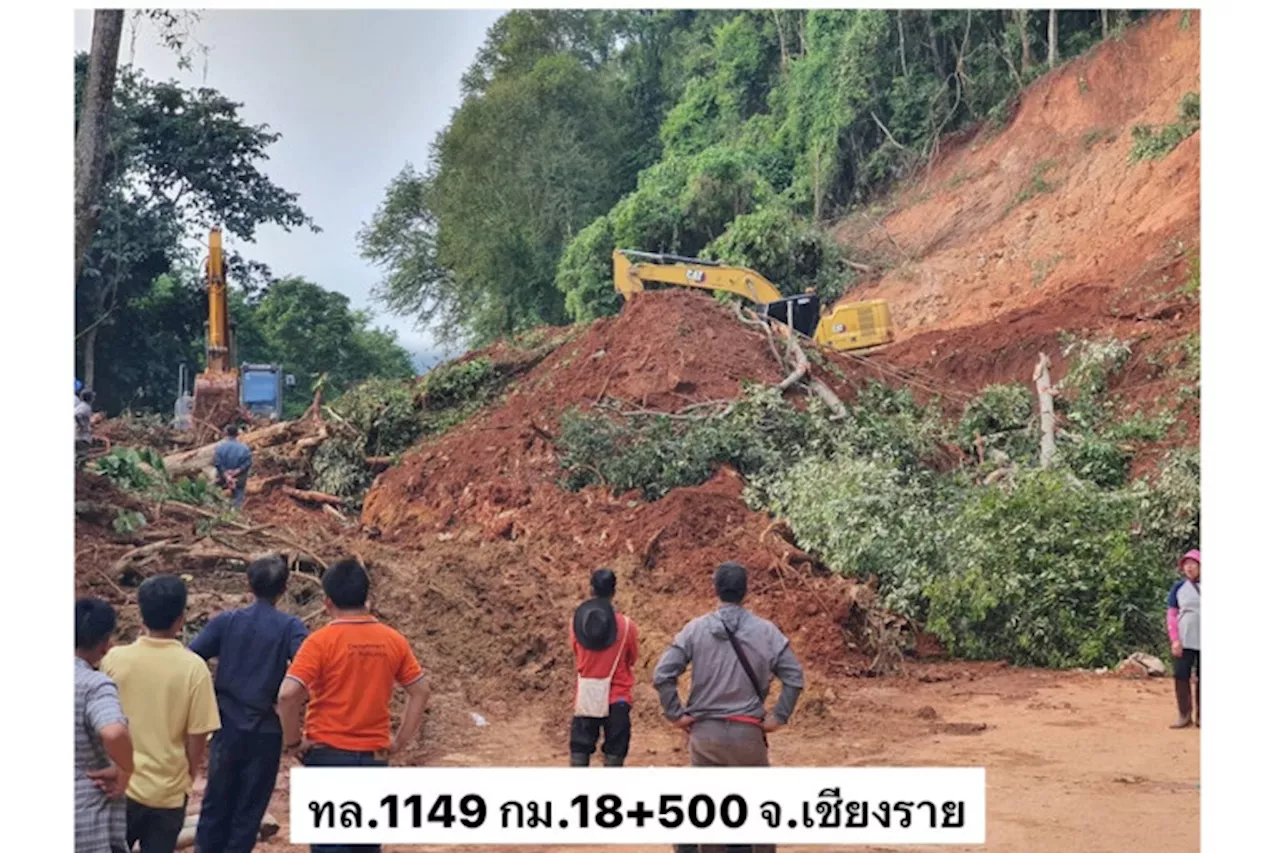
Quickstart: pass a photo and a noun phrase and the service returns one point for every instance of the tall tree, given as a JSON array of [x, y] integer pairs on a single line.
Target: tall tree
[[91, 138], [177, 161]]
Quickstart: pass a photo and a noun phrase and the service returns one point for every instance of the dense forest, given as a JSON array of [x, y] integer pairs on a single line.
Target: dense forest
[[177, 161], [729, 134]]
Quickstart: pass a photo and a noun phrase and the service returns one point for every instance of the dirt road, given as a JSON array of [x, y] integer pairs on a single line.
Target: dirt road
[[1074, 761]]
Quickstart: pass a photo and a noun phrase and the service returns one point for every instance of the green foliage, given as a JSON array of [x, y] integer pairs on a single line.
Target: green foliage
[[1060, 568], [1049, 573], [783, 248], [656, 454], [1152, 143], [1036, 184], [1083, 388], [1096, 135], [197, 491], [127, 522], [584, 274], [311, 332], [865, 516], [384, 417], [658, 130], [129, 468], [1004, 415]]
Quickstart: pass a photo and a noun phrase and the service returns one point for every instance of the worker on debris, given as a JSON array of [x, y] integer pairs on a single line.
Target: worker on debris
[[605, 649], [253, 647], [167, 693], [1183, 619], [734, 654], [84, 420], [232, 459], [104, 750], [346, 672]]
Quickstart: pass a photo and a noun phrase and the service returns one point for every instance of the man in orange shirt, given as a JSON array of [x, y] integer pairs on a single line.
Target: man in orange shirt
[[348, 670], [605, 648]]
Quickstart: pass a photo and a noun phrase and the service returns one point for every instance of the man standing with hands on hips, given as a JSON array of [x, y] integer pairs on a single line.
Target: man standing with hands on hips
[[734, 654], [348, 670]]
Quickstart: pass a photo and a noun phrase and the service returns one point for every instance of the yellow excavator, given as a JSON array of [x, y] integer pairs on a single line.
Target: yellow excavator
[[225, 391], [217, 390], [846, 326]]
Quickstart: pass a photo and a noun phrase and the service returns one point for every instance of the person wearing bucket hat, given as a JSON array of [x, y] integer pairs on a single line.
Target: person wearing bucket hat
[[605, 649], [1183, 622]]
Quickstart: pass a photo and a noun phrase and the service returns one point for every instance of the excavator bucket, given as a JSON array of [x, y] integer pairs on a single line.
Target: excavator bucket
[[216, 403]]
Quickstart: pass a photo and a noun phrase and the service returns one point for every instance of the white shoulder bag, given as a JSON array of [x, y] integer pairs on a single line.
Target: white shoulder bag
[[593, 693]]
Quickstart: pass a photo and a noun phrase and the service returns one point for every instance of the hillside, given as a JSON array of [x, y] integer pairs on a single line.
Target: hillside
[[1018, 234]]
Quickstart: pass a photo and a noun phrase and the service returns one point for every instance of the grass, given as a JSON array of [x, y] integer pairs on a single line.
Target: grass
[[1152, 143], [1036, 185], [1096, 135]]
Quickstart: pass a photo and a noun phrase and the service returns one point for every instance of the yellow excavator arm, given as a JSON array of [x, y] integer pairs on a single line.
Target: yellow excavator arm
[[632, 269], [848, 326], [217, 390]]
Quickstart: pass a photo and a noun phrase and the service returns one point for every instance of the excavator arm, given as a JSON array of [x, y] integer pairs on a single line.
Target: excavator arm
[[217, 393], [848, 326], [632, 269]]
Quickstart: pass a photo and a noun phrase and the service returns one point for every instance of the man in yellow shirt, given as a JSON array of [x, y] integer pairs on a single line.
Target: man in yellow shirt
[[167, 694]]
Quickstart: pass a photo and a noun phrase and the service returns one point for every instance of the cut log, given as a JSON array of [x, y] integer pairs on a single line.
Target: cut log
[[197, 460], [828, 397], [312, 497]]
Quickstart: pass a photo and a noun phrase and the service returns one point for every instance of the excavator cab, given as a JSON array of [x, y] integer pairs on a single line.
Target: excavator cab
[[801, 312]]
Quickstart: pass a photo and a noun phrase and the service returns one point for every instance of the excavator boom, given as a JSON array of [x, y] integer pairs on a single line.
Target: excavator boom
[[632, 269], [217, 393], [848, 326]]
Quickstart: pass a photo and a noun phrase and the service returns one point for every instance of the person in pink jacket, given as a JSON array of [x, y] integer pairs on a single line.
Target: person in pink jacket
[[1183, 621]]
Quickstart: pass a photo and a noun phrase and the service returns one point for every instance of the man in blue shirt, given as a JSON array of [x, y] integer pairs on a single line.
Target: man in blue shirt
[[232, 459], [253, 646]]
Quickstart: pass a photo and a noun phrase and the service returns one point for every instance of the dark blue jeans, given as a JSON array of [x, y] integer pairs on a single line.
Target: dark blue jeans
[[242, 775], [327, 756]]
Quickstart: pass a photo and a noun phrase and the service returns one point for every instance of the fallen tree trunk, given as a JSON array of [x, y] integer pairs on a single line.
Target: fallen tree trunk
[[312, 497], [196, 460]]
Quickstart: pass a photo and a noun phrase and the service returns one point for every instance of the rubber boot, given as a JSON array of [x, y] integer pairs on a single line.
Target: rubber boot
[[614, 760], [1182, 692], [579, 759], [1197, 701]]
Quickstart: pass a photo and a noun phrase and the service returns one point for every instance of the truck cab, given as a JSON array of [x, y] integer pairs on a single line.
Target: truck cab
[[262, 389]]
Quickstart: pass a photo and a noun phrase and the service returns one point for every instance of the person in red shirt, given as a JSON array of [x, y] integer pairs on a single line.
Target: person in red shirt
[[605, 648]]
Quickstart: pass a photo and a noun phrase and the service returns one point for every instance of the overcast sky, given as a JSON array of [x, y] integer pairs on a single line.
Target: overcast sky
[[355, 95]]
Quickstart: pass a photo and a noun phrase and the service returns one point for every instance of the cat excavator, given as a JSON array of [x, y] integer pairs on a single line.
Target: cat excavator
[[845, 326], [224, 392]]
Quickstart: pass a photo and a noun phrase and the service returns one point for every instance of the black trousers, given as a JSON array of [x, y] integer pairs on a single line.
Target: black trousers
[[585, 731], [242, 777], [153, 830], [1182, 666], [327, 756]]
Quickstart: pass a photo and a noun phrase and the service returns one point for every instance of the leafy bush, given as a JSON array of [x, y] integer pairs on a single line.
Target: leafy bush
[[131, 468], [864, 516], [1004, 415], [584, 275], [1049, 574], [1152, 143], [338, 468], [1169, 503], [783, 248], [657, 453], [1083, 388], [197, 491], [127, 522]]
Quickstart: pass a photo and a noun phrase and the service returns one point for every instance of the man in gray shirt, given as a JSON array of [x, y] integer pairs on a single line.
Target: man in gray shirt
[[232, 459], [104, 750], [725, 716]]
